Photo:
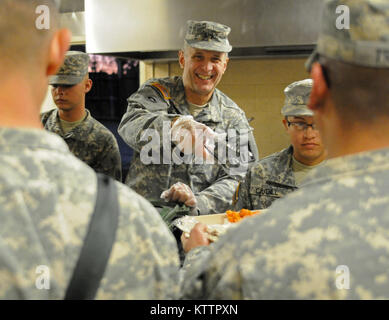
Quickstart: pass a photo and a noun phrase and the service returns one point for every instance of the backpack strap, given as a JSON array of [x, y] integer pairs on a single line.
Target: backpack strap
[[98, 243]]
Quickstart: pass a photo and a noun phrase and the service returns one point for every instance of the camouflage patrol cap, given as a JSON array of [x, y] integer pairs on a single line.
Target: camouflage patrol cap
[[73, 70], [208, 35], [364, 42], [296, 99]]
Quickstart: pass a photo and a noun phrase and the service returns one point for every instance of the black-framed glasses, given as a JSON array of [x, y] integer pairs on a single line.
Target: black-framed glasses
[[301, 126]]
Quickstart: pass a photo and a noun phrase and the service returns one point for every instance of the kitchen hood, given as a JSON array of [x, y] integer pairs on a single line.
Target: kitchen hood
[[155, 29]]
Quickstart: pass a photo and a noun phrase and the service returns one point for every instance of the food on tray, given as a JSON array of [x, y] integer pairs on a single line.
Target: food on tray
[[235, 216], [217, 224]]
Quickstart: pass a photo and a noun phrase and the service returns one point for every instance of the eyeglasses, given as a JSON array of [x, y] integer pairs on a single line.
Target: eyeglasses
[[301, 126]]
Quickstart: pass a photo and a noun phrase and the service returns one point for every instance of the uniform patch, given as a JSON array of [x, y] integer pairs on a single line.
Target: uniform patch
[[162, 90]]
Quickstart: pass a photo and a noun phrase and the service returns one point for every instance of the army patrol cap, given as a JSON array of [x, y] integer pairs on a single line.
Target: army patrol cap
[[296, 99], [364, 43], [208, 35], [73, 70]]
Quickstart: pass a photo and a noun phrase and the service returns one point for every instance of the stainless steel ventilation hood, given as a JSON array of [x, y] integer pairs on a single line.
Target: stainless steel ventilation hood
[[154, 29], [72, 17], [74, 21]]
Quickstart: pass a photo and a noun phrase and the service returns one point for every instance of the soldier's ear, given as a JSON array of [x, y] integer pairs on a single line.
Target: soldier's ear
[[225, 64], [181, 58], [88, 85], [58, 46], [319, 88], [285, 124]]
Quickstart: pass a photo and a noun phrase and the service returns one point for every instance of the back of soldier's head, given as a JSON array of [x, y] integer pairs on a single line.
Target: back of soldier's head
[[353, 48], [26, 27]]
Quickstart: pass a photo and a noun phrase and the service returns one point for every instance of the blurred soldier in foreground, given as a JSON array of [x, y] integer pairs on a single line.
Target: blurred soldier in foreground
[[47, 194], [86, 138], [329, 239], [282, 172], [188, 111]]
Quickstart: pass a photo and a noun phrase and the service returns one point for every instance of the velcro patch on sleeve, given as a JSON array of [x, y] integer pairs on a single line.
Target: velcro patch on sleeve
[[162, 89]]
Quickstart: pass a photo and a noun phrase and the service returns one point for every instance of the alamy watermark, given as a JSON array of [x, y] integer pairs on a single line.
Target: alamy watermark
[[42, 22], [342, 277], [42, 281], [230, 149], [343, 20]]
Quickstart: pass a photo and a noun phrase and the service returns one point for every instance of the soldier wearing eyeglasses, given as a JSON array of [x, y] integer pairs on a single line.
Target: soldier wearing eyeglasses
[[282, 172]]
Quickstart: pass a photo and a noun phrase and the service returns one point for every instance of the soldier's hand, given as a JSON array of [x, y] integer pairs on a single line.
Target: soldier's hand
[[180, 192], [193, 137], [198, 237]]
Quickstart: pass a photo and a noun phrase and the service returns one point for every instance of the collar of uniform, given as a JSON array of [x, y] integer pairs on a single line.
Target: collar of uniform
[[211, 112], [52, 123], [284, 176], [11, 138], [74, 133], [350, 165], [78, 133], [177, 93]]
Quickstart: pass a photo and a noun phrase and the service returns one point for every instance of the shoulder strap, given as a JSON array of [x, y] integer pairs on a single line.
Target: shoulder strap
[[98, 243]]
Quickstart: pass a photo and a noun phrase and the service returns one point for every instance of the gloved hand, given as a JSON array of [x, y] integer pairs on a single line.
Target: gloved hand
[[193, 137], [180, 192]]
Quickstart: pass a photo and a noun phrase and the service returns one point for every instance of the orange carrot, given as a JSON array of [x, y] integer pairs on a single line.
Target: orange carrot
[[234, 216]]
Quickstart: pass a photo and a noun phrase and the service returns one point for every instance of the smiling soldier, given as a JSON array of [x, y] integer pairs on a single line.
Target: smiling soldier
[[186, 105]]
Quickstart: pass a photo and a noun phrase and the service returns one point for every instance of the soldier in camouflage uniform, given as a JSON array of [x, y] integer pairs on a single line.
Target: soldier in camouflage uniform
[[329, 239], [47, 194], [282, 172], [164, 102], [87, 138]]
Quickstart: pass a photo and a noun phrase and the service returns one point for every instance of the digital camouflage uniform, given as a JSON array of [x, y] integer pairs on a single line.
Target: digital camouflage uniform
[[268, 180], [273, 177], [162, 100], [90, 141], [339, 217], [337, 224], [47, 198]]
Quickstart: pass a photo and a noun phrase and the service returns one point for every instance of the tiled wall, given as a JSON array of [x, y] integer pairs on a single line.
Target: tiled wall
[[256, 85]]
